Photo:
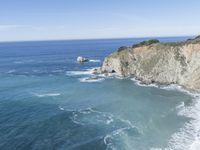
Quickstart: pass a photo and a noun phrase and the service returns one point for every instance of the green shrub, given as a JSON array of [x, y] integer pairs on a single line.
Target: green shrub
[[198, 37], [122, 48], [146, 43], [194, 40]]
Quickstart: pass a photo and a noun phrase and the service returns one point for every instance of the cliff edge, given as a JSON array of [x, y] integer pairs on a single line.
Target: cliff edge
[[155, 62]]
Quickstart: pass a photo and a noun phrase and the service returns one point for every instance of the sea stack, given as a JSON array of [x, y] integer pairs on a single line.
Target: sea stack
[[153, 61], [81, 59]]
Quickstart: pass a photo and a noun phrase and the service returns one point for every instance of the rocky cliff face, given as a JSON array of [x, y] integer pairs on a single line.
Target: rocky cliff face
[[164, 63]]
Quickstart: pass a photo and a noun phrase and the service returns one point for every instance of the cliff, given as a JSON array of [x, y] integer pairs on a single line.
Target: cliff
[[164, 63]]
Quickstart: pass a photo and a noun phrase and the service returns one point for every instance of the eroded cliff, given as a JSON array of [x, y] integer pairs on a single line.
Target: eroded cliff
[[164, 63]]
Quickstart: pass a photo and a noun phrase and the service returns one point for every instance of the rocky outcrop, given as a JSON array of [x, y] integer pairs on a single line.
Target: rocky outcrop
[[81, 59], [164, 63]]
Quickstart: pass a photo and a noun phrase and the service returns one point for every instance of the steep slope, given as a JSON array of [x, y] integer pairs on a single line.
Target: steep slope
[[164, 63]]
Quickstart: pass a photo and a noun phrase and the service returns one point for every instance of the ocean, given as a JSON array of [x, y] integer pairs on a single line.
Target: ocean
[[46, 103]]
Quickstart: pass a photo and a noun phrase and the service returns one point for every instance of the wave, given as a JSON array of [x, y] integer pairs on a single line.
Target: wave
[[77, 73], [61, 108], [118, 138], [91, 116], [195, 145], [116, 127], [88, 74], [11, 71], [180, 89], [47, 94], [94, 60], [155, 148], [57, 71], [170, 87], [139, 83], [188, 137], [98, 116], [23, 61], [91, 80]]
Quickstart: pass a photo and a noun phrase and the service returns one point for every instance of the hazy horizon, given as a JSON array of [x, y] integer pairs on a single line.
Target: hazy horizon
[[111, 38]]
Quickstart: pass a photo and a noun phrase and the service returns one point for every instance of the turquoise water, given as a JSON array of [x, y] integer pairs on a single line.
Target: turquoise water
[[45, 103]]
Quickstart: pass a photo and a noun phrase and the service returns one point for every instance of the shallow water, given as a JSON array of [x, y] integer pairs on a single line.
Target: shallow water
[[46, 103]]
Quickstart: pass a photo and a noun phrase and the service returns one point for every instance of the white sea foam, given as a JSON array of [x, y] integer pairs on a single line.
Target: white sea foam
[[115, 136], [77, 73], [87, 75], [119, 77], [94, 60], [111, 75], [90, 116], [23, 61], [155, 148], [91, 80], [195, 145], [57, 71], [89, 71], [179, 88], [188, 137], [114, 133], [139, 83], [11, 71], [87, 111], [180, 106], [61, 108], [170, 87], [98, 117], [47, 94], [121, 132]]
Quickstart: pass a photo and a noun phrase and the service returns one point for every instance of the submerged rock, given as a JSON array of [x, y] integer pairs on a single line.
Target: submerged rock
[[96, 71], [165, 63], [91, 78]]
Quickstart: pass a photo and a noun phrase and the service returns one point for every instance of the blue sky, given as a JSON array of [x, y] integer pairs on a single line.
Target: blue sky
[[87, 19]]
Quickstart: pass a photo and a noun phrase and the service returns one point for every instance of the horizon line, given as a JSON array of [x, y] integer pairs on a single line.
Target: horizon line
[[109, 38]]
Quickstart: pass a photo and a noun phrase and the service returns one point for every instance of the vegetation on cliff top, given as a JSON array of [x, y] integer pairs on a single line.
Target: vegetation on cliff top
[[196, 39], [122, 48], [188, 41], [146, 43], [155, 41]]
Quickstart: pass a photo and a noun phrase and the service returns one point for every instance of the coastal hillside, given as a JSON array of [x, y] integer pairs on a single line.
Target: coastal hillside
[[152, 61]]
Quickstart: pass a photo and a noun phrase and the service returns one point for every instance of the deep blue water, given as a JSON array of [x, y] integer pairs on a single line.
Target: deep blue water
[[46, 105]]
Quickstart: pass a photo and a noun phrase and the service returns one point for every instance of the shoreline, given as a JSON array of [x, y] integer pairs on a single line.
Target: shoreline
[[191, 127], [153, 61]]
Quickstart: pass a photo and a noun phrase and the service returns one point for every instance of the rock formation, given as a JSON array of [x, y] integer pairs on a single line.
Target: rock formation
[[164, 63], [81, 59]]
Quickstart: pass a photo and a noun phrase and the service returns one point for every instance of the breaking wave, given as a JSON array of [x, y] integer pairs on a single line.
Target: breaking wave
[[139, 83], [11, 71], [91, 80], [116, 127], [77, 73], [23, 61], [46, 94], [188, 137], [94, 60]]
